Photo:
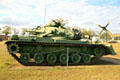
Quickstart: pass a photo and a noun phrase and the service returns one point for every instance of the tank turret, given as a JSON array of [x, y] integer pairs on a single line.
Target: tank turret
[[55, 30]]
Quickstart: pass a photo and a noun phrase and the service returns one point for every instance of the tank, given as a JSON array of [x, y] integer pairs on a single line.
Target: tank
[[55, 44]]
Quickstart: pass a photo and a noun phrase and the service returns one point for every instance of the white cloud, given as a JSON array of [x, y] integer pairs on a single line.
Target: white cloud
[[78, 13], [85, 15]]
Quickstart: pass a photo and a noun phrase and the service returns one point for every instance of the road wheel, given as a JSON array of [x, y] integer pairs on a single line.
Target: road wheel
[[39, 58], [24, 58], [63, 58], [75, 58], [86, 59], [51, 58]]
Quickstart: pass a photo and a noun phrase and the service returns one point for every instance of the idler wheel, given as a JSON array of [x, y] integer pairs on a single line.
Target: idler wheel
[[75, 58], [24, 58], [63, 58], [39, 58], [13, 48], [98, 51], [86, 59], [51, 58]]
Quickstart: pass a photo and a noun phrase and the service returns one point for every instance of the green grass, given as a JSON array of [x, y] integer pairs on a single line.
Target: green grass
[[6, 60], [84, 73], [11, 70]]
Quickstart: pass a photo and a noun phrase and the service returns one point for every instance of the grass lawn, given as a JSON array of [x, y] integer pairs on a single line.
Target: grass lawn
[[12, 70]]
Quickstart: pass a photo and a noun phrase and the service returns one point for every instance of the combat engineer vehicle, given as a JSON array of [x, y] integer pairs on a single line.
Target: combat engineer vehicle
[[55, 44]]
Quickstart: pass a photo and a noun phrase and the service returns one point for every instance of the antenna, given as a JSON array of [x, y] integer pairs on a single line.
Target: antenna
[[44, 12]]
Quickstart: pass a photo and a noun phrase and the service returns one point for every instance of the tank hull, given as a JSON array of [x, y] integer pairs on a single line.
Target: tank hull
[[56, 52]]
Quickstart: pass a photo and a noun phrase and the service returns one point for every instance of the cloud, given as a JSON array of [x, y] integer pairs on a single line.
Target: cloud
[[78, 13], [85, 15]]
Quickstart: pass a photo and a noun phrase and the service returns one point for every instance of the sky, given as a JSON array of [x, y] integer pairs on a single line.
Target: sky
[[83, 13]]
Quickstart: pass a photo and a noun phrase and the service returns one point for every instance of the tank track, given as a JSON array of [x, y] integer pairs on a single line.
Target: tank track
[[93, 60]]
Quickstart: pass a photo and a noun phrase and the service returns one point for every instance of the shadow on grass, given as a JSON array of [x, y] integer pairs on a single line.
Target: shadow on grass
[[102, 61], [108, 61]]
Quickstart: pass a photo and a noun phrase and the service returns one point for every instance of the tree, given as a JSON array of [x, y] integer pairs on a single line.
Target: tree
[[16, 31], [6, 30], [57, 23], [23, 31], [85, 32], [105, 36], [38, 27], [77, 34]]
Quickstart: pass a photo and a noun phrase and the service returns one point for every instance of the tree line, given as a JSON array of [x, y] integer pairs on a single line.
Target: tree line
[[84, 32]]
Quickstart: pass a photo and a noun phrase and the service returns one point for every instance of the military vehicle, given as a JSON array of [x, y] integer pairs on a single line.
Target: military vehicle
[[55, 44]]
